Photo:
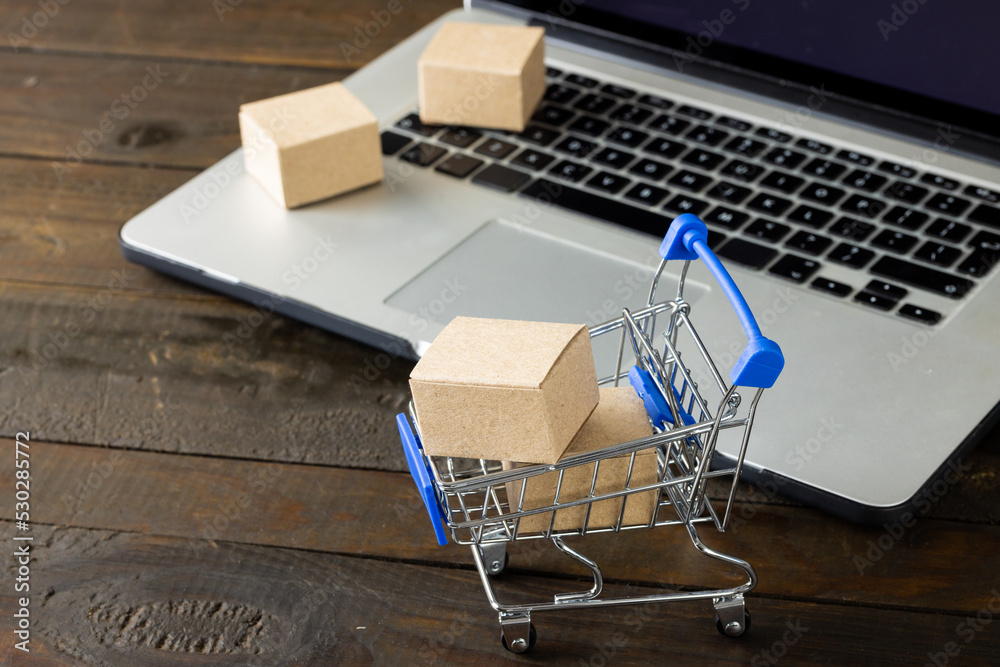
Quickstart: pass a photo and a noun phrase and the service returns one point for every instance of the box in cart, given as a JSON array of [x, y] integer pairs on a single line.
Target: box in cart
[[504, 389], [619, 417]]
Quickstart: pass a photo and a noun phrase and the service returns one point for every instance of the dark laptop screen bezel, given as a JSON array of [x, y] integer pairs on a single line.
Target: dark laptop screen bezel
[[760, 66]]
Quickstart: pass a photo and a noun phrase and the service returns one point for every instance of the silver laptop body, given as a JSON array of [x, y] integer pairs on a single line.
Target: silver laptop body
[[873, 408]]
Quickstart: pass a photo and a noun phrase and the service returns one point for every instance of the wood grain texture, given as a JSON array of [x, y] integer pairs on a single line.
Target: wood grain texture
[[127, 370], [297, 32], [132, 110], [108, 598], [231, 494], [798, 553], [66, 233]]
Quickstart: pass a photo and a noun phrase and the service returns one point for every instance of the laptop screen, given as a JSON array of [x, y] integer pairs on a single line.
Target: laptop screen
[[932, 59]]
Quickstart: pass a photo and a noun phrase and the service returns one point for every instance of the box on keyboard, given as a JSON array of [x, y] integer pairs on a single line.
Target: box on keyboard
[[482, 75]]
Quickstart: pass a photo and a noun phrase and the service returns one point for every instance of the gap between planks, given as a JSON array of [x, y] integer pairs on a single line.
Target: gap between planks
[[145, 600], [798, 552]]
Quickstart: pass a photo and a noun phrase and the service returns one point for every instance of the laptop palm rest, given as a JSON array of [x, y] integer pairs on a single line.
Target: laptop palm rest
[[510, 271]]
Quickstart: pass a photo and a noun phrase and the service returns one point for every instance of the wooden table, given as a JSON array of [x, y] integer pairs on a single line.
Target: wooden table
[[210, 485]]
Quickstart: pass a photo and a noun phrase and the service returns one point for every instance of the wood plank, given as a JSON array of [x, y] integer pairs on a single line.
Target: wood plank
[[125, 599], [313, 33], [199, 376], [141, 111], [798, 552], [66, 233]]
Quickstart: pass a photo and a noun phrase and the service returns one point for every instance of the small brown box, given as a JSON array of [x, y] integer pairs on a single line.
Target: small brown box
[[504, 389], [619, 417], [310, 145], [482, 75]]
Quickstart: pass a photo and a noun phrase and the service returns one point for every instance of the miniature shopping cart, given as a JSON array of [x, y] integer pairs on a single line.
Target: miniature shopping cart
[[690, 406]]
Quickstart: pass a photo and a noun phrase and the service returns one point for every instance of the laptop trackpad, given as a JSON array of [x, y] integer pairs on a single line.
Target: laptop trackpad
[[509, 271]]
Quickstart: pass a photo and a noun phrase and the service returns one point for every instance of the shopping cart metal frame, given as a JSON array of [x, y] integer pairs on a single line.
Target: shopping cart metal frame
[[470, 496]]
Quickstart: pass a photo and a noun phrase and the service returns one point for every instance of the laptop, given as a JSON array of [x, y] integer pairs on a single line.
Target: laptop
[[845, 156]]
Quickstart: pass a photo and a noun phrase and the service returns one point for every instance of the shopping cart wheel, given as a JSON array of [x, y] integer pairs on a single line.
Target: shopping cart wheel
[[733, 629], [520, 644]]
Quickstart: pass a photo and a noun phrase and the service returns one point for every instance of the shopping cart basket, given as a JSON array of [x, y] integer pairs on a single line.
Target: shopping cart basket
[[690, 405]]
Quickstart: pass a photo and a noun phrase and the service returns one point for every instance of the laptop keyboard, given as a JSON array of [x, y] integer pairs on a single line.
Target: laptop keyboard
[[783, 205]]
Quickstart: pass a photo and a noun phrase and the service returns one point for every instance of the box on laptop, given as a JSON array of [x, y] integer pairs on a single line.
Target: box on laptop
[[311, 144], [482, 75]]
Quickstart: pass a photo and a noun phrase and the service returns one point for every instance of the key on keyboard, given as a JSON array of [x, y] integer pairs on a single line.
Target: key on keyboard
[[767, 230], [501, 178], [795, 268], [929, 279], [597, 206], [747, 253], [646, 194]]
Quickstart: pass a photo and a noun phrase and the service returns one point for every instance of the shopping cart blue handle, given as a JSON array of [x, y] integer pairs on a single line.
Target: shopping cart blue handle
[[421, 475], [761, 361]]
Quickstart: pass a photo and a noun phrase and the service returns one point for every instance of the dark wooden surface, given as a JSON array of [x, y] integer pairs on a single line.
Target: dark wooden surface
[[198, 502]]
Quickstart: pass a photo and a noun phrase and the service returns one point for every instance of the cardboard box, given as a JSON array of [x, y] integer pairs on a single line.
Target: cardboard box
[[310, 145], [504, 389], [482, 75], [619, 417]]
